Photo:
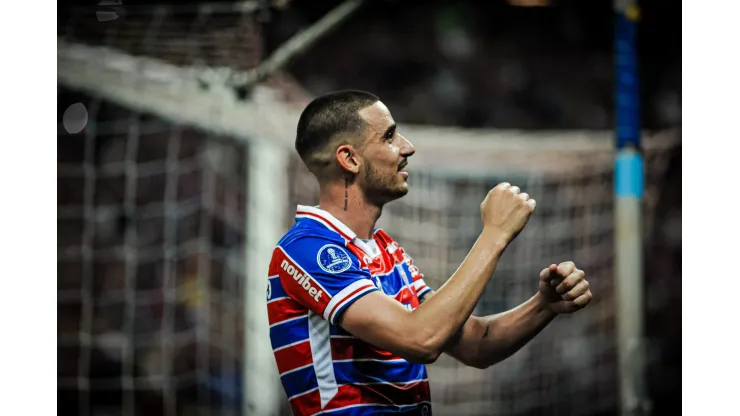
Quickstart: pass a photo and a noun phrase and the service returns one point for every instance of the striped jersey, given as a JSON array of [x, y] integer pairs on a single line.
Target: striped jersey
[[318, 269]]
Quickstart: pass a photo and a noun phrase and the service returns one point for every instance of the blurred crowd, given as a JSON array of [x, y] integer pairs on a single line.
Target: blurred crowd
[[486, 64]]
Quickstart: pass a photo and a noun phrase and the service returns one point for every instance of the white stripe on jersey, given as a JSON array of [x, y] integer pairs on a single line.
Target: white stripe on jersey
[[340, 305], [343, 294], [319, 333], [419, 284], [290, 345], [288, 320]]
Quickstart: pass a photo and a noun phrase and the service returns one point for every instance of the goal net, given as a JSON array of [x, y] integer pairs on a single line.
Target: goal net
[[173, 190]]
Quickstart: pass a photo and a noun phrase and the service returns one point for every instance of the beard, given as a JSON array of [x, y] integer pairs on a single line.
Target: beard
[[382, 186]]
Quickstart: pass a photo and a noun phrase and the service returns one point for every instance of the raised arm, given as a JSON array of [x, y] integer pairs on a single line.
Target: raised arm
[[484, 341], [420, 336]]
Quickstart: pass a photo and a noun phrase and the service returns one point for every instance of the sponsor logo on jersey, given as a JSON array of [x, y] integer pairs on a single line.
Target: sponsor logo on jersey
[[303, 280]]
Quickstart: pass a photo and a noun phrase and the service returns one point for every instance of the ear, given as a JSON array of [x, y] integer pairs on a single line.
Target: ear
[[348, 158]]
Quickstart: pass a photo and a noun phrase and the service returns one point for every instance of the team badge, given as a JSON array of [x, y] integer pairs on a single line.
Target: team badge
[[333, 259]]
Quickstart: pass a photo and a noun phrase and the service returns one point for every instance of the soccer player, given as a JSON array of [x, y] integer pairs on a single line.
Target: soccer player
[[352, 322]]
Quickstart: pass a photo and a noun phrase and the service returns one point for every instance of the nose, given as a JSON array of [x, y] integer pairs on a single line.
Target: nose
[[407, 149]]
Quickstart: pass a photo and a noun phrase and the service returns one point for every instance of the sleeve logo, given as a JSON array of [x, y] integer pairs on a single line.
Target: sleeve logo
[[304, 280], [333, 259]]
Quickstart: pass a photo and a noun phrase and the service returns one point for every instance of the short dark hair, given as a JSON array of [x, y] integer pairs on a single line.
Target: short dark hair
[[325, 118]]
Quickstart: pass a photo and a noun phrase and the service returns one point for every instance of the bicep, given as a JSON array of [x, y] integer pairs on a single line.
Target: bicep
[[381, 321]]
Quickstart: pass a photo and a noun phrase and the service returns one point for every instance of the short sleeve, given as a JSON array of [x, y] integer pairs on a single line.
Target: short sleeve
[[417, 278], [320, 275]]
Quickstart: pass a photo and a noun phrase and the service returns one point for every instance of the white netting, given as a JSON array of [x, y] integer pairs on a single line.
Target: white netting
[[152, 218], [155, 216], [150, 234]]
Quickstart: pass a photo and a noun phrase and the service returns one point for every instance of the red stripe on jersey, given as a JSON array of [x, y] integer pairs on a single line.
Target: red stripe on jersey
[[352, 394], [298, 284], [421, 289], [415, 273], [355, 349], [382, 264], [283, 309], [348, 297], [360, 254], [294, 356], [385, 241], [327, 222], [307, 403], [405, 295]]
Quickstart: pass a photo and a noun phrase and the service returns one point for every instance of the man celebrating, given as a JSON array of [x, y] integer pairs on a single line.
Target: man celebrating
[[352, 322]]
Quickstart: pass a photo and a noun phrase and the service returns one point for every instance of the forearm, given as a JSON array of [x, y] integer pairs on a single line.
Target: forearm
[[440, 318], [496, 337]]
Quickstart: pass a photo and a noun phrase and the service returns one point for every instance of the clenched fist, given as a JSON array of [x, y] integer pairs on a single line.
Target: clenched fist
[[565, 287], [506, 210]]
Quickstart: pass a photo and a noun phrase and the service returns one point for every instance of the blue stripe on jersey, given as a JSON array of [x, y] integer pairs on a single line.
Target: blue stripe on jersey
[[299, 381], [338, 330], [348, 372], [276, 288], [392, 282], [289, 332], [377, 409], [406, 269], [424, 292], [347, 304]]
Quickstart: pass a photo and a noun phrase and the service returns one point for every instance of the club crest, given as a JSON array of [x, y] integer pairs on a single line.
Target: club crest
[[333, 259]]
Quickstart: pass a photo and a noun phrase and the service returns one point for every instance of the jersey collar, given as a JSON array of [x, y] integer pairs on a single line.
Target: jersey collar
[[330, 222]]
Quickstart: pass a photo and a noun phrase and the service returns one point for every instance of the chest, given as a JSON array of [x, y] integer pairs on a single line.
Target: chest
[[390, 268], [391, 275], [397, 284]]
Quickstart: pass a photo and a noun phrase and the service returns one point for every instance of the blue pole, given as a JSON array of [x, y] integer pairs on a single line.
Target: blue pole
[[628, 187]]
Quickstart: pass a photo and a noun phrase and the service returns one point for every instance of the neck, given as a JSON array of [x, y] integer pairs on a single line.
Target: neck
[[360, 215]]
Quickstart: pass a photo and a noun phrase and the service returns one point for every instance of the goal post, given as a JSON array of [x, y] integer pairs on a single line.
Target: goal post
[[266, 200], [629, 236], [201, 98]]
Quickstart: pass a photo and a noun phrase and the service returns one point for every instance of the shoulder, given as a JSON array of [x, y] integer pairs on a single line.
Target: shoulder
[[307, 232], [316, 249], [317, 270]]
